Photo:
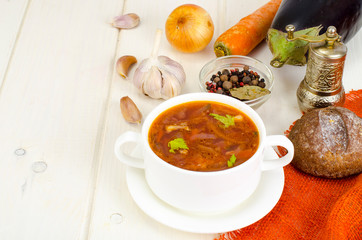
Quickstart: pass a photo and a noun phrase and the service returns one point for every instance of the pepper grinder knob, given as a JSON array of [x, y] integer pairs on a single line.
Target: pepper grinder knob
[[331, 31], [290, 31]]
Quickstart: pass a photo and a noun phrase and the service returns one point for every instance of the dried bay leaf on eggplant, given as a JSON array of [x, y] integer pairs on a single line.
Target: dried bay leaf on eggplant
[[249, 92]]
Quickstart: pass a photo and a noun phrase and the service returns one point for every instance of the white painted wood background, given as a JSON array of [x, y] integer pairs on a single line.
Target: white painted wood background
[[60, 115]]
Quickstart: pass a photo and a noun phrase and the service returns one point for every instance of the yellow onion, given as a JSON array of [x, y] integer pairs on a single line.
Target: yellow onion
[[189, 28]]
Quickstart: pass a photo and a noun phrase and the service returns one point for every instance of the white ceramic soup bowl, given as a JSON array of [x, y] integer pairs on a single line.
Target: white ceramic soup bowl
[[203, 192]]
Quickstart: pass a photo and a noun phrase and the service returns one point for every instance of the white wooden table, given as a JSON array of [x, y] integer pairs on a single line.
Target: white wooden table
[[60, 115]]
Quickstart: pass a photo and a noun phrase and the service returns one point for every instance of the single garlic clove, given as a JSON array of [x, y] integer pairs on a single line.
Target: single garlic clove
[[123, 64], [130, 111], [173, 76], [173, 67], [152, 83], [171, 86], [144, 76], [127, 21]]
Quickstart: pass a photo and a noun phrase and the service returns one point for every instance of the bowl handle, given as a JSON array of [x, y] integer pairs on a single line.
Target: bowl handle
[[129, 137], [278, 140]]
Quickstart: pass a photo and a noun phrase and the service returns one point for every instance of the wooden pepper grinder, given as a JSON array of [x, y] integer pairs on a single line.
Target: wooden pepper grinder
[[322, 84]]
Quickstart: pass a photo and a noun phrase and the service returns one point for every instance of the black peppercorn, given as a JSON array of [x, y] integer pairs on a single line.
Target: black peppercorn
[[225, 72], [223, 81], [261, 84], [246, 80]]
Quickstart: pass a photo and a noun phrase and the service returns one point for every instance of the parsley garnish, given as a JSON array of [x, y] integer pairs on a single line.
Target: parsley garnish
[[176, 144], [226, 120], [231, 161]]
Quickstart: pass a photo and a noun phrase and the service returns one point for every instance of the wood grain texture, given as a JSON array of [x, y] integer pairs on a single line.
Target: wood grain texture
[[60, 113], [52, 105], [112, 195], [12, 14]]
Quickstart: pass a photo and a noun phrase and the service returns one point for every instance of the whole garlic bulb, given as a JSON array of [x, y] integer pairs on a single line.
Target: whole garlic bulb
[[159, 76]]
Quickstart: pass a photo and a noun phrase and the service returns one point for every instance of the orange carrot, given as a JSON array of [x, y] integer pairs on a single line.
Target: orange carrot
[[248, 32]]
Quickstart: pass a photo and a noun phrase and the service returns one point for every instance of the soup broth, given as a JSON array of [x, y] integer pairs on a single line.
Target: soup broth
[[203, 136]]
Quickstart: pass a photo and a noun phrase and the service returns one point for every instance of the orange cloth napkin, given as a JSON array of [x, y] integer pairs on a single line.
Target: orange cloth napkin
[[312, 207]]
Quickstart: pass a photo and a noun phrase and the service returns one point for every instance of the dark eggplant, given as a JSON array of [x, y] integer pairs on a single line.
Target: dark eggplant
[[310, 17]]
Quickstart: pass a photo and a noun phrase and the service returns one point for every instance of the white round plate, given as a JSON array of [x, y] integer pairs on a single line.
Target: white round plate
[[253, 209]]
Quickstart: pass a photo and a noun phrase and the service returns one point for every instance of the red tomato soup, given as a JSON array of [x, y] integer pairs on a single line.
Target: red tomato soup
[[203, 136]]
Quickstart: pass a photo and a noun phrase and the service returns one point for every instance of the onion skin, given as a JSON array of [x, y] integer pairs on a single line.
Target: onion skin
[[189, 28]]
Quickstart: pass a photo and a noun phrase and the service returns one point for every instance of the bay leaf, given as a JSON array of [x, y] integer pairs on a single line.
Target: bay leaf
[[249, 92]]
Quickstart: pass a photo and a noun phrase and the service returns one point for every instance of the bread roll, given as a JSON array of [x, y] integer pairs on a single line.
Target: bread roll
[[328, 142]]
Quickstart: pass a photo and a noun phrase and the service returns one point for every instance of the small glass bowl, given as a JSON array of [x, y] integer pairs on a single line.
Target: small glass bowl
[[237, 61]]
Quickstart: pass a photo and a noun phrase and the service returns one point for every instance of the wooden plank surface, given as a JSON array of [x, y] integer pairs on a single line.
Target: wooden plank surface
[[112, 196], [12, 14], [60, 115], [52, 109], [134, 224]]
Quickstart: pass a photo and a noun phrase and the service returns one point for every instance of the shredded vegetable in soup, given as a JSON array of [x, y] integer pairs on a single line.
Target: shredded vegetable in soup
[[203, 136]]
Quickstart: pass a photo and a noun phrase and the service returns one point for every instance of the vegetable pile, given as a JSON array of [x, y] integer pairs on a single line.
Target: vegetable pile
[[189, 28]]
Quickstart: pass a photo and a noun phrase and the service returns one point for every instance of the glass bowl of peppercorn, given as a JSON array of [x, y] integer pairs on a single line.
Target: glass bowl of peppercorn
[[241, 77]]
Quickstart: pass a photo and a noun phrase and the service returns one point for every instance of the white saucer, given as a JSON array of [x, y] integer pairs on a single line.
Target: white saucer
[[253, 209]]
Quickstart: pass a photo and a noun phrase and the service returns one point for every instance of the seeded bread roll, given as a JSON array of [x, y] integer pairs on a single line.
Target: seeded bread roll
[[328, 142]]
